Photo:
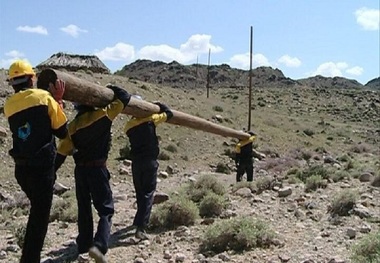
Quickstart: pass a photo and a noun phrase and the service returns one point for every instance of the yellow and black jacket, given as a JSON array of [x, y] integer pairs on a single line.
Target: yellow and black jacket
[[244, 151], [142, 135], [89, 137], [34, 118]]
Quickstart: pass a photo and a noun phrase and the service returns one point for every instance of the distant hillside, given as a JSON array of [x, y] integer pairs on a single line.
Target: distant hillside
[[374, 84], [177, 75]]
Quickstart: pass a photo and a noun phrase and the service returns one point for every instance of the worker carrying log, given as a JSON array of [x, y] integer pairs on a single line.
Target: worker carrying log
[[85, 92]]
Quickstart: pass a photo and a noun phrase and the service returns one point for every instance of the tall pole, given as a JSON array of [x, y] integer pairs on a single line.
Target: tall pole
[[208, 73], [250, 81]]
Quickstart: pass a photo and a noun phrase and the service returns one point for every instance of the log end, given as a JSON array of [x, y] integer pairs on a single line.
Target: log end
[[45, 77]]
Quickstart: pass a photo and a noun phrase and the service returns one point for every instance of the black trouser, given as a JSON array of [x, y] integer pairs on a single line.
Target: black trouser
[[145, 181], [92, 183], [245, 167], [37, 183]]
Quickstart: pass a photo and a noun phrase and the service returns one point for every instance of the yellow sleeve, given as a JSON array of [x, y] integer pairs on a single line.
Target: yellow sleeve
[[57, 116], [114, 108], [66, 146]]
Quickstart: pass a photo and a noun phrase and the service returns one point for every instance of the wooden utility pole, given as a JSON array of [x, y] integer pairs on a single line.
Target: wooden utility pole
[[88, 93], [208, 72], [250, 81]]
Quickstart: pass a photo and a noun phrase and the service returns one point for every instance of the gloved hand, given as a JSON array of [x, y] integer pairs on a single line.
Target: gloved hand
[[164, 108], [57, 90], [120, 94]]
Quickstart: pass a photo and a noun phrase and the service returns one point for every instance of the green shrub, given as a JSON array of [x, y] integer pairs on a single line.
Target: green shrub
[[343, 203], [237, 234], [314, 182], [222, 168], [313, 170], [340, 175], [65, 208], [171, 148], [212, 205], [344, 158], [197, 190], [217, 108], [308, 132], [263, 183], [173, 213], [367, 250], [163, 156]]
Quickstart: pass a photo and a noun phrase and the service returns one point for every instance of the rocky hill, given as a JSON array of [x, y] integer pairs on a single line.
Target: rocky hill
[[177, 75], [71, 62]]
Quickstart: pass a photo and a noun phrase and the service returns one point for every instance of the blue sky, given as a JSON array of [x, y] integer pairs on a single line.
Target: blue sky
[[302, 38]]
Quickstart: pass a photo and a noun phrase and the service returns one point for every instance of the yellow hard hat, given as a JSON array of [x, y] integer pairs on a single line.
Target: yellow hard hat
[[20, 68]]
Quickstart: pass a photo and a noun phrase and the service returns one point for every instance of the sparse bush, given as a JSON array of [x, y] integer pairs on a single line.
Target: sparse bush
[[65, 208], [339, 176], [350, 165], [293, 170], [238, 234], [222, 168], [171, 148], [263, 183], [367, 250], [212, 205], [344, 158], [313, 170], [261, 103], [314, 182], [163, 156], [308, 132], [230, 153], [217, 108], [343, 203], [360, 148], [174, 213], [197, 190]]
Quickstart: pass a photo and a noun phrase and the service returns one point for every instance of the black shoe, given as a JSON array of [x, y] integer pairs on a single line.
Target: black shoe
[[96, 254]]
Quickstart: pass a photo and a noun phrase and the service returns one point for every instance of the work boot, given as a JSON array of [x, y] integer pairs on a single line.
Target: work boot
[[96, 254], [141, 234], [82, 258]]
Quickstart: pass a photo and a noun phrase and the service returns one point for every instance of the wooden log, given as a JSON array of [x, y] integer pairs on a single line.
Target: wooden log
[[88, 93]]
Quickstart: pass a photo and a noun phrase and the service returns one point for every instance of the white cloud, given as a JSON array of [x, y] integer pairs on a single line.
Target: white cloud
[[355, 71], [199, 44], [37, 29], [73, 30], [369, 19], [291, 62], [242, 61], [119, 52], [163, 53], [330, 69], [11, 57], [196, 45]]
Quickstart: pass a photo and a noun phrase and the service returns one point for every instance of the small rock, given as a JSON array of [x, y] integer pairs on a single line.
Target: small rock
[[3, 254], [139, 260], [284, 192], [163, 174], [180, 257], [351, 233], [365, 177], [244, 192], [284, 258], [160, 197]]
